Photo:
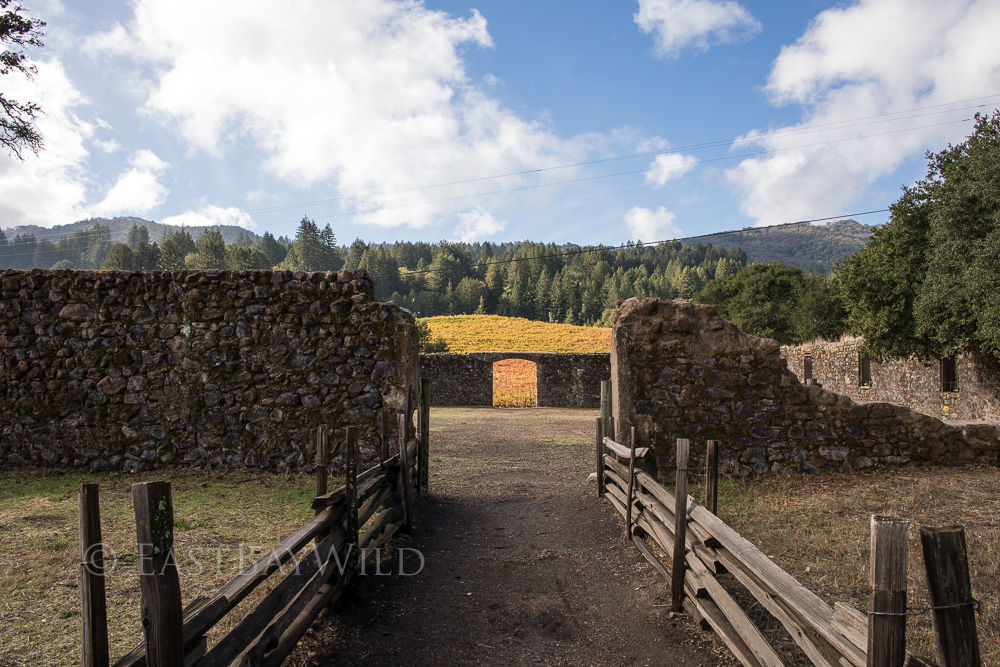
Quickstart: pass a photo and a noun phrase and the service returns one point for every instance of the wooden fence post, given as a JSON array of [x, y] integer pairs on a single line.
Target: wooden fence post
[[404, 473], [321, 461], [94, 604], [952, 606], [680, 526], [351, 482], [631, 486], [606, 408], [425, 434], [384, 434], [887, 605], [409, 412], [321, 471], [158, 581], [600, 458], [712, 477]]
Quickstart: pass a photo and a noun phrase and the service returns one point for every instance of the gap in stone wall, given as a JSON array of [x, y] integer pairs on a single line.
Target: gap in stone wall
[[515, 384]]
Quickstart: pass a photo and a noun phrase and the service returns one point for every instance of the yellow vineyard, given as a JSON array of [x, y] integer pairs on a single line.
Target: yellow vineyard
[[514, 384], [514, 380], [493, 333]]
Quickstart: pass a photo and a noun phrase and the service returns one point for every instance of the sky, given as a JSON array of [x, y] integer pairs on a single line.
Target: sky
[[500, 120]]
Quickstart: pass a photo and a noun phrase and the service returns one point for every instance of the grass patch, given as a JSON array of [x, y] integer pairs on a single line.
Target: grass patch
[[561, 441], [219, 519], [817, 528]]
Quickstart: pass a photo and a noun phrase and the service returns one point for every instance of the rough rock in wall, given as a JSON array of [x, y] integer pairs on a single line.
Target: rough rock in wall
[[913, 382], [682, 371], [126, 370]]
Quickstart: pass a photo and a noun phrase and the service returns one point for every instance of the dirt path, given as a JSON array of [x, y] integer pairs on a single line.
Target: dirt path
[[522, 564]]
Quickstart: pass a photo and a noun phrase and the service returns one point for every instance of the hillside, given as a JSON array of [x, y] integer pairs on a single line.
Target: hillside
[[119, 229], [493, 333], [811, 247]]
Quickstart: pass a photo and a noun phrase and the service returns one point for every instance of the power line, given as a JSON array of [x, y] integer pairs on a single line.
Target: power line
[[83, 234], [632, 172], [821, 127]]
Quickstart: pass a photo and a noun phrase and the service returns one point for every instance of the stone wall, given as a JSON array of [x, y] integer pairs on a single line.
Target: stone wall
[[563, 380], [913, 382], [220, 369], [680, 370]]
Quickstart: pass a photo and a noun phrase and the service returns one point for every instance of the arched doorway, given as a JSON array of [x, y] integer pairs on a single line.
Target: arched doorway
[[515, 383]]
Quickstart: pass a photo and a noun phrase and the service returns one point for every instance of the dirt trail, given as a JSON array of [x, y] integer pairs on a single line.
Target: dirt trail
[[523, 566]]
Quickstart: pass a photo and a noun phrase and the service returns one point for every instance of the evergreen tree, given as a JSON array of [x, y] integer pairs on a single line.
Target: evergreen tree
[[210, 251], [243, 258], [174, 248], [120, 258], [45, 255], [274, 250], [137, 236]]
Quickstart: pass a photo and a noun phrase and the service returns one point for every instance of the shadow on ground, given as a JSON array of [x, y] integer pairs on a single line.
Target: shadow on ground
[[522, 565]]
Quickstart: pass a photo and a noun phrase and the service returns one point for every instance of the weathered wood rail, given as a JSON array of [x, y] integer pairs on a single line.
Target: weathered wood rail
[[352, 523], [703, 546]]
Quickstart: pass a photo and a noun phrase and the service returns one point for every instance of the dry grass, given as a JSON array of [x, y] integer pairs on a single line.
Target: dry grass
[[817, 528], [493, 333], [515, 384], [215, 516]]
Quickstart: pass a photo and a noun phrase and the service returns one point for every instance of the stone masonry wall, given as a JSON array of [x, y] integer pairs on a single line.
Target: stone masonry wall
[[680, 370], [123, 370], [563, 380], [913, 382]]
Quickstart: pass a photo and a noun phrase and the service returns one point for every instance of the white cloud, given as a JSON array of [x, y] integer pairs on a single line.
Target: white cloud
[[109, 146], [49, 188], [695, 24], [477, 224], [210, 216], [648, 225], [669, 166], [137, 190], [871, 58], [368, 97]]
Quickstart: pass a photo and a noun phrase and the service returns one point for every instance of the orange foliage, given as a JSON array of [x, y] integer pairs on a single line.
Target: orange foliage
[[514, 384]]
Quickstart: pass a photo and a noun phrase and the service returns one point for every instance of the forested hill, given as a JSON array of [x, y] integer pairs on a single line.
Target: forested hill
[[118, 229], [564, 283], [814, 248]]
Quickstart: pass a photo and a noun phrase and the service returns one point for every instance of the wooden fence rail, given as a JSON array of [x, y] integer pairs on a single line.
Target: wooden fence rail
[[351, 524], [705, 547]]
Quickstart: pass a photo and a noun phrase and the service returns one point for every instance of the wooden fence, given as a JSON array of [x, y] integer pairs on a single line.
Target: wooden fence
[[701, 546], [350, 526]]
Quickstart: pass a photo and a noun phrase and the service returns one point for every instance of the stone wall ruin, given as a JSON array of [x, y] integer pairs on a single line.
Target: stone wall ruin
[[126, 371], [679, 370], [565, 380], [913, 382]]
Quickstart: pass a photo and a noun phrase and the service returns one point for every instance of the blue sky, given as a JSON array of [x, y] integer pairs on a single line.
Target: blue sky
[[586, 122]]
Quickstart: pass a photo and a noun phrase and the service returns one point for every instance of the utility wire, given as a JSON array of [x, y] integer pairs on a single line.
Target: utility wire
[[632, 172], [821, 127], [83, 234]]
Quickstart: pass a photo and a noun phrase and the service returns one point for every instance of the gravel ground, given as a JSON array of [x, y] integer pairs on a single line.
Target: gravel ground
[[522, 565]]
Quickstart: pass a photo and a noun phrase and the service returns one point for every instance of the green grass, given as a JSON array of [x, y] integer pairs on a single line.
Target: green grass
[[39, 552]]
